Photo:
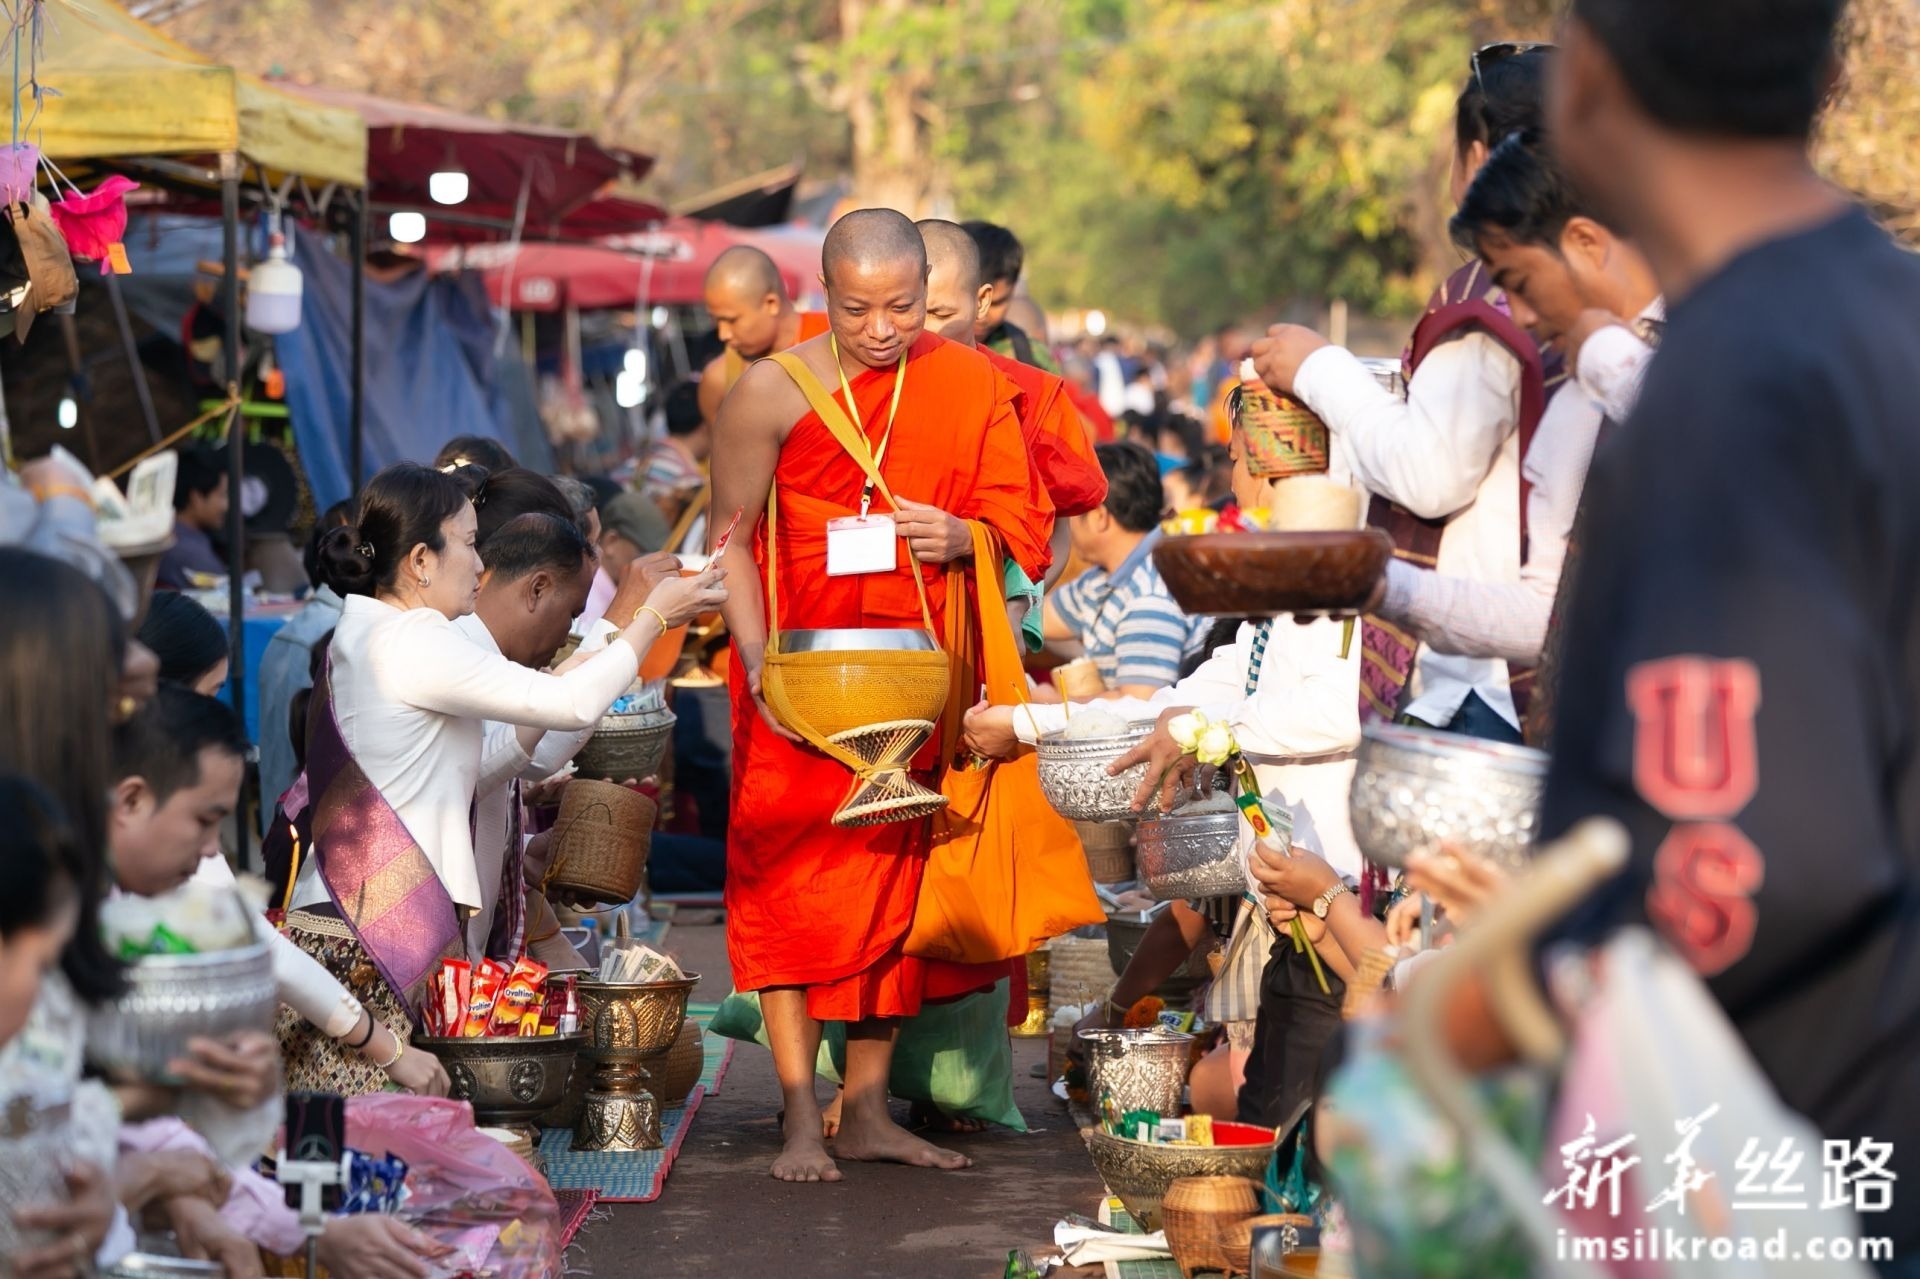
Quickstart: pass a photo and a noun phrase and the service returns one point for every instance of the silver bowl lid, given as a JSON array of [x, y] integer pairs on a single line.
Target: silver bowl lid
[[1458, 746], [902, 639]]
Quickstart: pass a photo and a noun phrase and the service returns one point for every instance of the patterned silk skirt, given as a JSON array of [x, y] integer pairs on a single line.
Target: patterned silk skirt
[[315, 1063]]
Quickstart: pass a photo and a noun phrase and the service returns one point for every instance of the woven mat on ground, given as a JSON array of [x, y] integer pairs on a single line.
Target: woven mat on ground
[[639, 1176], [1112, 1214], [635, 1177], [575, 1207]]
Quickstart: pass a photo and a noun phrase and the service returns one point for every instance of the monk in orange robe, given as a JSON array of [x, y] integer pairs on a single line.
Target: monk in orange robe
[[817, 914], [749, 304], [957, 298]]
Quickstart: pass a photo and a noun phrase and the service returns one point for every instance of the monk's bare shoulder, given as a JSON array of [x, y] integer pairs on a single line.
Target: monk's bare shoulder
[[764, 403]]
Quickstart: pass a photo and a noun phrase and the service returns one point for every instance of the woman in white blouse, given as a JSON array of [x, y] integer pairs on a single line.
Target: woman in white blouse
[[395, 747]]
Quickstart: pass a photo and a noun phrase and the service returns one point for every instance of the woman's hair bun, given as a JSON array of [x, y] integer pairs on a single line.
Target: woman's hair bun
[[346, 561]]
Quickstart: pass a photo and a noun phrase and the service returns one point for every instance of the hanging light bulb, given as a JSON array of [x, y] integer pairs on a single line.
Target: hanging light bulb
[[449, 184], [629, 389], [69, 413], [660, 317], [273, 291], [635, 362], [407, 227]]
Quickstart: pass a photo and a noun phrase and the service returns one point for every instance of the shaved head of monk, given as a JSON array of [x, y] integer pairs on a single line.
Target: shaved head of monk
[[748, 301], [956, 296], [874, 268]]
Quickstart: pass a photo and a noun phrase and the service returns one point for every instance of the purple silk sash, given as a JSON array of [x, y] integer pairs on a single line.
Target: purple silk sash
[[384, 887]]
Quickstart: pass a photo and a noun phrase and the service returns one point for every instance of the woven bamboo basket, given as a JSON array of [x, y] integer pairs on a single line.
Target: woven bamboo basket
[[1240, 1241], [1079, 973], [600, 842], [1109, 850], [673, 1076], [1199, 1213], [1283, 436]]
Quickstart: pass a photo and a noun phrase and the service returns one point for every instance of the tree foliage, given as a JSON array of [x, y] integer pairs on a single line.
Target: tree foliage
[[1176, 162]]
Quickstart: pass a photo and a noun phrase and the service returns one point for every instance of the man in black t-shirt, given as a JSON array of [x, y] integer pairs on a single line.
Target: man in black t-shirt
[[1741, 678]]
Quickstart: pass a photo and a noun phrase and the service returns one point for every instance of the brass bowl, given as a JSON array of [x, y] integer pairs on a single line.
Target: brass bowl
[[620, 1122], [509, 1080], [1140, 1173], [631, 1022], [1266, 574]]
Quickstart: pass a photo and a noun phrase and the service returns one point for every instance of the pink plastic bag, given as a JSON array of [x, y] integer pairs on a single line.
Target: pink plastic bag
[[94, 222], [464, 1188]]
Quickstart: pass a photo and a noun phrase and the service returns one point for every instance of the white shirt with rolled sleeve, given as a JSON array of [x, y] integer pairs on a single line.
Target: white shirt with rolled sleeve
[[1299, 730], [1450, 451], [1509, 619]]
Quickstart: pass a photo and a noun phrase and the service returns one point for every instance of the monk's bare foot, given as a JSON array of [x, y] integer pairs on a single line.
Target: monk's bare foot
[[927, 1117], [830, 1117], [888, 1142], [805, 1159]]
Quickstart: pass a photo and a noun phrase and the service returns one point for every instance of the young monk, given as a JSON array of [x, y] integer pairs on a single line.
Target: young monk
[[749, 304], [818, 914]]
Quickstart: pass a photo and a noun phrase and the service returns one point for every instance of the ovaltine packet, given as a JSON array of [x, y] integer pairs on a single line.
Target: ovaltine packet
[[520, 993], [488, 978]]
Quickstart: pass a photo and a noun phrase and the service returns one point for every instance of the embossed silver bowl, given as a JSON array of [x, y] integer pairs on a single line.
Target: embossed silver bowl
[[1139, 1069], [1073, 775], [1416, 788], [626, 746], [173, 998], [1188, 855], [507, 1080]]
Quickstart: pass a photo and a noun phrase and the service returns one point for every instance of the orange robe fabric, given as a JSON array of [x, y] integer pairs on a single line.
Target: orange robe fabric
[[810, 904], [1057, 440]]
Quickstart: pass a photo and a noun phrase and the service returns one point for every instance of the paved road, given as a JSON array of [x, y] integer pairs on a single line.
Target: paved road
[[722, 1215]]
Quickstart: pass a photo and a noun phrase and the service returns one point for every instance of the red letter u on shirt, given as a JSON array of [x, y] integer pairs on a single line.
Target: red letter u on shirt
[[1694, 751]]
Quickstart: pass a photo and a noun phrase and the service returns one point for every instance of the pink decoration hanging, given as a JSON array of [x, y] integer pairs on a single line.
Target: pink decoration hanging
[[19, 171], [94, 222]]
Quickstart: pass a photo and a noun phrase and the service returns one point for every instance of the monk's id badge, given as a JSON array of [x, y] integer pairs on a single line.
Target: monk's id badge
[[858, 544]]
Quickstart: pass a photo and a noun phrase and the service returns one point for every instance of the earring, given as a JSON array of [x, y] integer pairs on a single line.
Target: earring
[[425, 582]]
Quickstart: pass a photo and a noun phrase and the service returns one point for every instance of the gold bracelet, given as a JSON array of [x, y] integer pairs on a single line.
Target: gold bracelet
[[658, 616], [399, 1051]]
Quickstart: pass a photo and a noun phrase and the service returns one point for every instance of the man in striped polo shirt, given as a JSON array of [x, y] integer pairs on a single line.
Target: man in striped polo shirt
[[1119, 610]]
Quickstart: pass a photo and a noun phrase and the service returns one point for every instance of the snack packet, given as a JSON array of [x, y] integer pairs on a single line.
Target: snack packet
[[518, 993], [488, 978], [1200, 1129]]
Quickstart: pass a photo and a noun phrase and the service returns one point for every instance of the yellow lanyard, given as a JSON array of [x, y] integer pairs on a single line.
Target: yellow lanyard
[[853, 411]]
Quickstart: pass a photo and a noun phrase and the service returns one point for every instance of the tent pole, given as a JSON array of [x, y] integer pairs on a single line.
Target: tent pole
[[236, 442], [357, 250], [141, 390]]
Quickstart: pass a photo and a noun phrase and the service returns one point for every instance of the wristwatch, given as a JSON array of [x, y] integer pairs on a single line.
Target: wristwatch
[[1324, 902]]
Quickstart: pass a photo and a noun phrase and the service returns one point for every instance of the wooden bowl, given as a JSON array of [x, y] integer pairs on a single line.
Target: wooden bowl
[[1266, 574]]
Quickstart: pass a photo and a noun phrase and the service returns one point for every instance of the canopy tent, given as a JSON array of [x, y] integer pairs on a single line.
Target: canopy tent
[[763, 200], [666, 266], [105, 87], [124, 89], [518, 174]]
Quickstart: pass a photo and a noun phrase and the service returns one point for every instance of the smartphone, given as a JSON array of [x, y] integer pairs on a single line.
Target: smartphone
[[725, 536]]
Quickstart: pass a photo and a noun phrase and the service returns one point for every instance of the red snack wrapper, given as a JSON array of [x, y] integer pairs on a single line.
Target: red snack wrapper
[[488, 979], [453, 984], [520, 993]]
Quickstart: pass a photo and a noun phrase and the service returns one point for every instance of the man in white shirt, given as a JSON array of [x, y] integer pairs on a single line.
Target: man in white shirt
[[1557, 263], [539, 569], [1444, 466]]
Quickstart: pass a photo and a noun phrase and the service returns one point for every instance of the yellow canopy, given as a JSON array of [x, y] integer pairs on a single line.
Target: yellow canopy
[[125, 89]]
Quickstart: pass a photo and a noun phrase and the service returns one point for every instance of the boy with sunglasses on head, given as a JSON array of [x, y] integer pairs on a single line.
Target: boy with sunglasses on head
[[1444, 466]]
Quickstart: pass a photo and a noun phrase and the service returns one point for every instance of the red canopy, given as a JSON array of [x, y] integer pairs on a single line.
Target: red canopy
[[616, 274], [560, 169]]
